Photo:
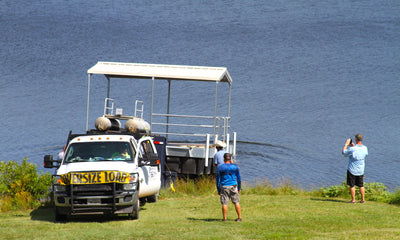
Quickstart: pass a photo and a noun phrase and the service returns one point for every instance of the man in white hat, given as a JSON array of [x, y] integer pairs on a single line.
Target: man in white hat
[[219, 155]]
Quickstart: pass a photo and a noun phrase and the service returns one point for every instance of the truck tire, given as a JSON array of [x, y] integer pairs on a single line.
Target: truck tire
[[60, 217], [134, 215], [152, 198], [143, 201]]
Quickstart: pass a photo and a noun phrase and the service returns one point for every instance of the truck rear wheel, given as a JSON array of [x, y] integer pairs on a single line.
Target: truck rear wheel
[[152, 198], [135, 212]]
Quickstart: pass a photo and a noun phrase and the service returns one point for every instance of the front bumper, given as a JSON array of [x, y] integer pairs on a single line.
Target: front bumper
[[97, 198]]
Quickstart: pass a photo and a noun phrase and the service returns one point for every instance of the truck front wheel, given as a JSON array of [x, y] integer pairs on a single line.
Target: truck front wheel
[[135, 212], [59, 216]]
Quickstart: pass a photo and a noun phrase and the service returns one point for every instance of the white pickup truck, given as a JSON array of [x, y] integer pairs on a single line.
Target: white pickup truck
[[106, 173]]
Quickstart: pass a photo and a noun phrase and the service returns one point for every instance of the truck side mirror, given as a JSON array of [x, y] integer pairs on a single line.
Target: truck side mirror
[[154, 160], [48, 161], [142, 162]]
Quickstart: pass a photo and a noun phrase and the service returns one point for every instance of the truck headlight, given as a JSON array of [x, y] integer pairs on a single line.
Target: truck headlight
[[58, 187], [129, 186], [132, 185]]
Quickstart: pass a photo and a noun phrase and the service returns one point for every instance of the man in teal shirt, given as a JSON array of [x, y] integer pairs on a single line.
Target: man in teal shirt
[[355, 169], [229, 186]]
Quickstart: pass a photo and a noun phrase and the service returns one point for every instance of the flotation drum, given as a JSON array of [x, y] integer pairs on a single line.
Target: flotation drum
[[137, 125], [102, 124]]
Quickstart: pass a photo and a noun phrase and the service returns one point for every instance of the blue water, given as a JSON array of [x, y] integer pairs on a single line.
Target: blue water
[[307, 75]]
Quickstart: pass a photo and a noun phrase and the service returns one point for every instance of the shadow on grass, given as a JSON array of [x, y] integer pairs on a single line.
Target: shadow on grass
[[329, 200], [43, 214], [47, 214], [205, 219]]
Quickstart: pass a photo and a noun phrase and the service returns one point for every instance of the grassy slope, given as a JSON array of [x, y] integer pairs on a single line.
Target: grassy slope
[[264, 216]]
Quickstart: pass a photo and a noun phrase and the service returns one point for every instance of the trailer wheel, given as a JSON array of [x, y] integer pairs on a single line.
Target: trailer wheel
[[135, 212], [60, 217]]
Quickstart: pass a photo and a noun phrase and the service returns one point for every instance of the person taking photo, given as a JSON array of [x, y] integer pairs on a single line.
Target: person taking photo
[[355, 169]]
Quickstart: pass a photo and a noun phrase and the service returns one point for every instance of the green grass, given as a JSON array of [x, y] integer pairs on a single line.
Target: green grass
[[198, 217], [193, 211]]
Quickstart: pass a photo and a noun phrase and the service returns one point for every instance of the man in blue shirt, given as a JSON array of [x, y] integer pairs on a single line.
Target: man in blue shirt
[[229, 186], [355, 170]]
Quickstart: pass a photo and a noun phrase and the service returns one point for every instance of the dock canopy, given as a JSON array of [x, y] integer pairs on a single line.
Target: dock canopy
[[219, 124], [158, 71]]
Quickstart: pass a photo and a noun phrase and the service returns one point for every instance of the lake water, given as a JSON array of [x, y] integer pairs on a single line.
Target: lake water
[[306, 75]]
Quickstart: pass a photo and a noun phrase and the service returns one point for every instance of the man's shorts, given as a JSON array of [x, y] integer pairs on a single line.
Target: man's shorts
[[229, 192], [355, 180]]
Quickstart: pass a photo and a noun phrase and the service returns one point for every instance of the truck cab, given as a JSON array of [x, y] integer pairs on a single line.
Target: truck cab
[[105, 172]]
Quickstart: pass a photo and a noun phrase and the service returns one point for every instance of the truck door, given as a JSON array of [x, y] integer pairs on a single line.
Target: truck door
[[150, 179]]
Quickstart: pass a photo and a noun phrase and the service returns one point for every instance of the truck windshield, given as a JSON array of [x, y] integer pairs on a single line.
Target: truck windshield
[[98, 151]]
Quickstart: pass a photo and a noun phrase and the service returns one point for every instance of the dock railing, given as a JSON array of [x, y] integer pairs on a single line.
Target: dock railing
[[212, 128], [217, 127]]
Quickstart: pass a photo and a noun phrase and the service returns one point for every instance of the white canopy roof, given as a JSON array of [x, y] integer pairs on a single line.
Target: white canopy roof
[[171, 72]]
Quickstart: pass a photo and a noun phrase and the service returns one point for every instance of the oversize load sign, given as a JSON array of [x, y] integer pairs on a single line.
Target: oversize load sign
[[95, 177]]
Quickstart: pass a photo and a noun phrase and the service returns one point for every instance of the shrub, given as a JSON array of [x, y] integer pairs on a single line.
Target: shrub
[[373, 192], [21, 186], [377, 192], [341, 190], [395, 198]]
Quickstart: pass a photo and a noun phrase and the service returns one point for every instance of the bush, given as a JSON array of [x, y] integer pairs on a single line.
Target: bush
[[377, 192], [373, 192], [21, 186], [341, 190], [395, 198]]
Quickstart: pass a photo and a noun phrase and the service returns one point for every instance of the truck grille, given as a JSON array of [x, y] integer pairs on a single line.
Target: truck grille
[[94, 189]]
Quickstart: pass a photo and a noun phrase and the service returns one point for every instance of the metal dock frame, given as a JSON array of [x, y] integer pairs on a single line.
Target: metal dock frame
[[221, 125]]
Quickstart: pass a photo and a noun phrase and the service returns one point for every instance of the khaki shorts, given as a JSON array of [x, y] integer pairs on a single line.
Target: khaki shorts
[[229, 192]]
